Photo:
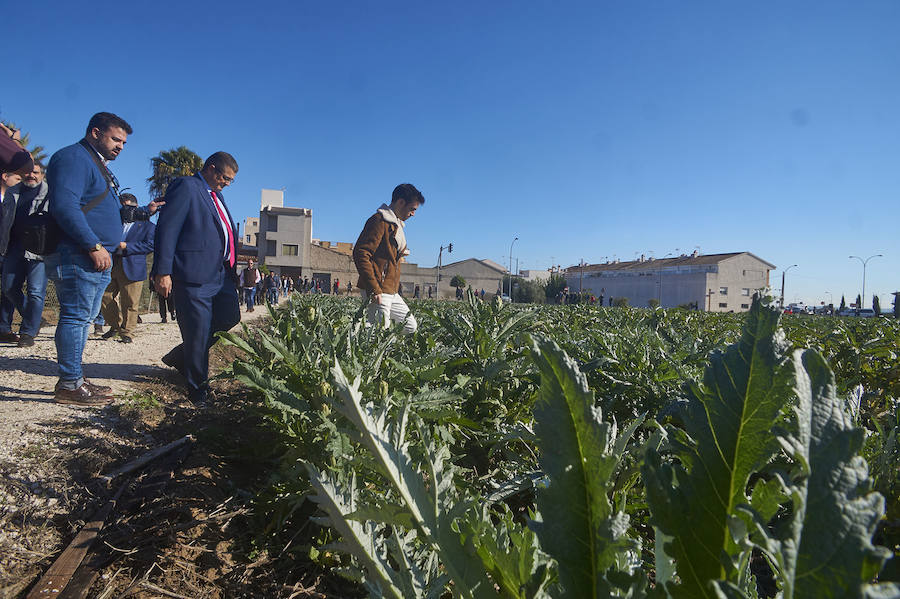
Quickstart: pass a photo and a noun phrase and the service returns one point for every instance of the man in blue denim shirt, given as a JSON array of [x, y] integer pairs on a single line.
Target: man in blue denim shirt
[[84, 202]]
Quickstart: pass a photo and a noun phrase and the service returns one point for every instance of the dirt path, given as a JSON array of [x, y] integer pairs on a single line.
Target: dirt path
[[28, 375], [51, 454]]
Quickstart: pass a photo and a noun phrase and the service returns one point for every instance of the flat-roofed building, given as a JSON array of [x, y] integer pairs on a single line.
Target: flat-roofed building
[[712, 282], [251, 230], [285, 236]]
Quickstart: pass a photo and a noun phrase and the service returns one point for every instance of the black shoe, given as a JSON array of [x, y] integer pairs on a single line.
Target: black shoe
[[201, 397], [140, 321], [26, 340], [174, 359], [109, 334], [164, 321], [173, 317], [125, 339], [98, 329], [9, 337]]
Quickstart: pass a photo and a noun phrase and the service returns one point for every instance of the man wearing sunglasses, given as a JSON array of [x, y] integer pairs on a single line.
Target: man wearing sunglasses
[[195, 259], [83, 200]]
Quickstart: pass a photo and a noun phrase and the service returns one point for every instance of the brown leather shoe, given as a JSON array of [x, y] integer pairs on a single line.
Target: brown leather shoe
[[98, 389], [9, 337], [81, 396]]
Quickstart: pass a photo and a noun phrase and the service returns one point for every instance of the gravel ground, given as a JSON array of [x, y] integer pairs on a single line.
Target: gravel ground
[[51, 454], [28, 375]]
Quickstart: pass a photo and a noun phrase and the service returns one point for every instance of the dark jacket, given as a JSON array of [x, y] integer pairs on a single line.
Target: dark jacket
[[189, 244], [75, 180], [138, 243], [377, 257], [20, 201], [7, 216]]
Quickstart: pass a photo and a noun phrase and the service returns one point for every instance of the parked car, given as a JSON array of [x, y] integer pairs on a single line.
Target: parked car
[[866, 313]]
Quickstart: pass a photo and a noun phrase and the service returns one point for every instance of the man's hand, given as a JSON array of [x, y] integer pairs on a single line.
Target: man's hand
[[377, 298], [153, 206], [163, 284], [101, 259], [122, 245]]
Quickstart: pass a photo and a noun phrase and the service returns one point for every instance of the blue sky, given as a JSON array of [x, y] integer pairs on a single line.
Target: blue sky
[[586, 129]]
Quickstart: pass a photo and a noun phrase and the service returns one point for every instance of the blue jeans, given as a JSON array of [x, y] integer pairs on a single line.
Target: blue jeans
[[250, 297], [79, 288], [16, 271]]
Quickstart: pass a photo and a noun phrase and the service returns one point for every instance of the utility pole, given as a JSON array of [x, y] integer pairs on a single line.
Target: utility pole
[[782, 283], [581, 280], [510, 264]]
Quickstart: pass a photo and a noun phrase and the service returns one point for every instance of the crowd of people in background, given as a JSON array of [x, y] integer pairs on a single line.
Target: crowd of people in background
[[72, 223], [259, 288]]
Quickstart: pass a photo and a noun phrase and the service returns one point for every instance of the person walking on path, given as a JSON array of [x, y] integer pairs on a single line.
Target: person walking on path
[[129, 269], [249, 279], [84, 202], [196, 257], [20, 266], [377, 254]]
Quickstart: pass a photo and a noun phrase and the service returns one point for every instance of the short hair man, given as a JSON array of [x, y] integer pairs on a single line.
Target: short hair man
[[249, 278], [20, 266], [129, 269], [377, 254], [195, 262], [84, 201]]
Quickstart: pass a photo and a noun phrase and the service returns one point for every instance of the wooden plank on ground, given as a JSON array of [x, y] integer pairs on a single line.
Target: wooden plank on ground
[[60, 572]]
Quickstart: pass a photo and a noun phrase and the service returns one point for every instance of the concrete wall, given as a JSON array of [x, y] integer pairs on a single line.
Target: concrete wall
[[271, 197], [294, 228], [741, 276], [251, 230]]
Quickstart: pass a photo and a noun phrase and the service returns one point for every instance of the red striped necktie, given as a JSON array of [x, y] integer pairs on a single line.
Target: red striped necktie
[[227, 226]]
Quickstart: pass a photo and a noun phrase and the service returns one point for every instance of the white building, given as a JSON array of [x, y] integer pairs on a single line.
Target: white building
[[714, 282]]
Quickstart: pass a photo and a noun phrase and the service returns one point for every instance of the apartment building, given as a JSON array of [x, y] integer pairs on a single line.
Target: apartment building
[[712, 282]]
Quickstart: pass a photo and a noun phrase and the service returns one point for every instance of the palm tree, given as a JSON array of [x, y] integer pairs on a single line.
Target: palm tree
[[169, 165], [37, 152]]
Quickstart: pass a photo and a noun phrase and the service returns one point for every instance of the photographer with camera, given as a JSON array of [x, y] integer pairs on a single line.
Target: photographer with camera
[[129, 270]]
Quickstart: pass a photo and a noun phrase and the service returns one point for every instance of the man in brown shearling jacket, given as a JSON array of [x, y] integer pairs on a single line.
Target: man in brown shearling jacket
[[377, 256]]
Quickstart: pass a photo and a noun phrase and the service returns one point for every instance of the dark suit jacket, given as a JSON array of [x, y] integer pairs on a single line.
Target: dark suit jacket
[[138, 243], [188, 243]]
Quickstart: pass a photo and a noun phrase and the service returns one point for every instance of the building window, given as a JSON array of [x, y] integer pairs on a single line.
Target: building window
[[723, 304], [289, 250], [270, 247], [273, 223], [723, 290], [745, 291], [745, 306]]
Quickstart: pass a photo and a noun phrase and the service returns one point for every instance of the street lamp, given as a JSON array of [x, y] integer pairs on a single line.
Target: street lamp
[[510, 264], [782, 283], [862, 298]]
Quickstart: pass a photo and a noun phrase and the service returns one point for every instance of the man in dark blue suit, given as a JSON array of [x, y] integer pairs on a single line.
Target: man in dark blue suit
[[129, 270], [195, 263]]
